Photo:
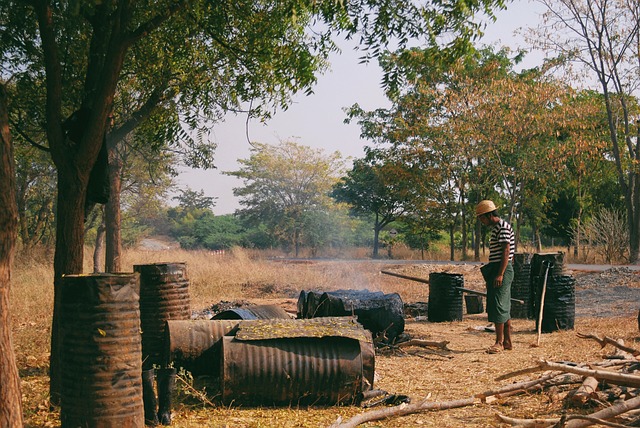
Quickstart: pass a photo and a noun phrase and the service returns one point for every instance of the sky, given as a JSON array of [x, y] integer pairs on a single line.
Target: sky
[[317, 120]]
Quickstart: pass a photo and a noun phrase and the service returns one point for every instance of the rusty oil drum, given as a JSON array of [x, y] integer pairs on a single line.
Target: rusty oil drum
[[316, 369], [101, 351], [164, 295], [195, 345]]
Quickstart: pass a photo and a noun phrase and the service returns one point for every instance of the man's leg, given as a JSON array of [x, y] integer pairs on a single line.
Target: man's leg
[[507, 335], [499, 333]]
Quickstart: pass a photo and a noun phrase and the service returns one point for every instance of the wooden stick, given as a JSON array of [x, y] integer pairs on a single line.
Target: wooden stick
[[544, 291], [610, 376], [606, 413], [609, 341], [516, 386], [543, 423], [402, 410], [425, 281], [424, 343]]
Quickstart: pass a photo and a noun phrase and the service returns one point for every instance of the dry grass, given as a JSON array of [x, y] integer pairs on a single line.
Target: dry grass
[[241, 275]]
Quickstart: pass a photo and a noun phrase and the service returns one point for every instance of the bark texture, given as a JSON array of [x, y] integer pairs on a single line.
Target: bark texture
[[10, 395]]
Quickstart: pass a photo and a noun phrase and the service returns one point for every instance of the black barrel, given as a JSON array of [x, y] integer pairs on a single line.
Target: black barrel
[[539, 262], [559, 311], [549, 264], [257, 312], [445, 300], [521, 287], [164, 295], [473, 303], [101, 351]]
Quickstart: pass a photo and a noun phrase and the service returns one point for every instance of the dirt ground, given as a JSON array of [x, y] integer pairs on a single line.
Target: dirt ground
[[606, 305]]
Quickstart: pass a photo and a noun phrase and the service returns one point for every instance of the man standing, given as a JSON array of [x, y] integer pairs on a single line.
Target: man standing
[[498, 274]]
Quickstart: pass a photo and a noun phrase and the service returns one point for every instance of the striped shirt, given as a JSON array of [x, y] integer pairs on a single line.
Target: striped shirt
[[502, 232]]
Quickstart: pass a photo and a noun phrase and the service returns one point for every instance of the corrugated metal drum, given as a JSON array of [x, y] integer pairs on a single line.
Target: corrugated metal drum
[[521, 286], [325, 369], [559, 309], [195, 344], [445, 301], [101, 351], [164, 295]]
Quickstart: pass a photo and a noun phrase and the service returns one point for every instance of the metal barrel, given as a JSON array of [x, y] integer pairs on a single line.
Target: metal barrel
[[445, 301], [164, 295], [258, 312], [101, 351], [301, 370], [473, 303], [559, 309], [521, 286], [317, 361], [195, 344]]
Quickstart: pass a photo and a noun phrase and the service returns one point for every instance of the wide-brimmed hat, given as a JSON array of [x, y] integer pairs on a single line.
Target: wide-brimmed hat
[[484, 207]]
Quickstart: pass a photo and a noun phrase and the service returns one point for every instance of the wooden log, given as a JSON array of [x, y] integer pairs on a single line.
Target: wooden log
[[585, 392], [609, 341], [550, 422], [402, 410], [609, 376], [424, 343], [425, 405], [606, 413], [426, 281]]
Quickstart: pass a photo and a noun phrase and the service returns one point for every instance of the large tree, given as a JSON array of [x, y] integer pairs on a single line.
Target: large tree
[[283, 184], [10, 396], [604, 38], [377, 187]]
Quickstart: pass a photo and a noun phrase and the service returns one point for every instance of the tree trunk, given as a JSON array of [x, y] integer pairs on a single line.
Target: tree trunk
[[476, 244], [98, 251], [465, 254], [452, 244], [633, 215], [10, 395], [376, 237], [68, 257], [112, 215]]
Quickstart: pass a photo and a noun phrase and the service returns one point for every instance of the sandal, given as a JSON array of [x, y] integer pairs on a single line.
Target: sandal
[[508, 347], [494, 349]]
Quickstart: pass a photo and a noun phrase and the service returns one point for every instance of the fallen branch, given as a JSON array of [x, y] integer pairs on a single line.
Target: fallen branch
[[612, 377], [424, 405], [609, 341], [424, 343], [607, 413], [402, 410], [522, 386], [544, 423]]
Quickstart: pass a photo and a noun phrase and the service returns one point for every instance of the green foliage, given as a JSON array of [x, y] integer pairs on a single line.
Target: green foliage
[[286, 188]]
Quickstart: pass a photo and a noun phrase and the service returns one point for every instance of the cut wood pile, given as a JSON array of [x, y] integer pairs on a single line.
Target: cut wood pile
[[602, 393]]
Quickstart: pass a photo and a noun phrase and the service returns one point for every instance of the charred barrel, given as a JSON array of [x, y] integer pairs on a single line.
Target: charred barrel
[[257, 312], [284, 362], [445, 298], [164, 295], [101, 351], [381, 314], [521, 286], [559, 310]]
